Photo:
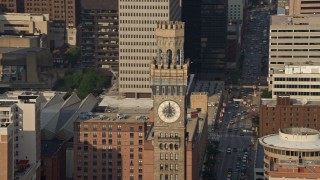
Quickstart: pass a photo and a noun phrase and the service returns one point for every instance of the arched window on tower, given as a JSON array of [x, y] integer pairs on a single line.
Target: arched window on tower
[[169, 57], [159, 56], [178, 61]]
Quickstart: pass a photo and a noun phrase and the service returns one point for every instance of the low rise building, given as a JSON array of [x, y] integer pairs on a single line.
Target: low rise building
[[20, 41], [294, 153], [284, 112], [25, 24], [25, 68]]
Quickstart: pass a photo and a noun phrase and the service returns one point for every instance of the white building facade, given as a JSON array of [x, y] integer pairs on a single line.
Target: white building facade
[[137, 43]]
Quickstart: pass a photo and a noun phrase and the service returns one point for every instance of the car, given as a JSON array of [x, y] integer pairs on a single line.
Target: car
[[241, 134], [228, 150]]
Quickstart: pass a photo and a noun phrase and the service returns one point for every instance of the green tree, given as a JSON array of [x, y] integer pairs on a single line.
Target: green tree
[[73, 54], [266, 94]]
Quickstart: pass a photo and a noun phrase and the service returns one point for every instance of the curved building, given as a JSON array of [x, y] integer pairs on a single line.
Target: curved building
[[294, 153]]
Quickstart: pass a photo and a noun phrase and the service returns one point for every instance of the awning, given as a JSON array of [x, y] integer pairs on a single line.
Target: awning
[[23, 162]]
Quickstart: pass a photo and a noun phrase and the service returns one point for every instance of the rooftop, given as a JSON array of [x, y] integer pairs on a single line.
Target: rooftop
[[19, 50], [293, 138], [115, 102], [294, 102], [285, 20]]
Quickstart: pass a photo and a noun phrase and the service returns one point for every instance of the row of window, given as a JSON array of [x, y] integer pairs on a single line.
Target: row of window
[[142, 7], [149, 22], [306, 50], [138, 43], [137, 50], [134, 86], [166, 177], [168, 167], [134, 79], [146, 57], [143, 0], [296, 79], [297, 93], [95, 127], [295, 37], [104, 134], [134, 64], [130, 36], [288, 43], [288, 56], [133, 72], [291, 153], [301, 30], [297, 86], [167, 156]]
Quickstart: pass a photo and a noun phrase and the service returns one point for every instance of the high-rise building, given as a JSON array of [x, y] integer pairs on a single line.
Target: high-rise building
[[63, 14], [169, 81], [13, 6], [21, 113], [297, 7], [236, 10], [191, 15], [294, 153], [99, 34], [137, 44], [294, 56], [214, 17]]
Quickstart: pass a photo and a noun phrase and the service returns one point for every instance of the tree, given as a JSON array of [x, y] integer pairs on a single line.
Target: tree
[[266, 94], [73, 54]]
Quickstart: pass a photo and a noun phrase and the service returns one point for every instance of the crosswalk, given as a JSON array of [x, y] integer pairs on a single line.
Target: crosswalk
[[217, 137]]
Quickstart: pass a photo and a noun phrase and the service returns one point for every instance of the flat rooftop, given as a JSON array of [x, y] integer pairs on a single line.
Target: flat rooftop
[[21, 50], [306, 102], [275, 141], [128, 115], [126, 103], [285, 20]]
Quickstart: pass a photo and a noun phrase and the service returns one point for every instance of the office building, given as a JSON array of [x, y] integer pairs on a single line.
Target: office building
[[137, 43], [63, 14], [297, 7], [25, 68], [294, 153], [21, 113], [192, 21], [99, 34], [236, 10], [25, 24], [214, 15], [13, 6], [294, 55], [7, 130], [19, 41], [284, 112]]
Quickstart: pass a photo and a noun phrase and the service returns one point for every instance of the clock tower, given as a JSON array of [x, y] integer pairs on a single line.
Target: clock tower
[[169, 80]]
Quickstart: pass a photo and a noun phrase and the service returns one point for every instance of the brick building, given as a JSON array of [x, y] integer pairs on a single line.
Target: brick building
[[284, 112]]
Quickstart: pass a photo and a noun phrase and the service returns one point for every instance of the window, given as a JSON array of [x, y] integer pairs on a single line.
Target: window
[[131, 135]]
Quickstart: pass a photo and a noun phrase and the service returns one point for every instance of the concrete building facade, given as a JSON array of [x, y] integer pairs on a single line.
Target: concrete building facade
[[292, 154], [236, 10], [25, 24], [64, 17], [100, 34], [23, 112], [26, 67], [294, 43], [137, 43]]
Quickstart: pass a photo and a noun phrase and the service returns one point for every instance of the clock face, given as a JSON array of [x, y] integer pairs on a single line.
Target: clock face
[[169, 111]]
